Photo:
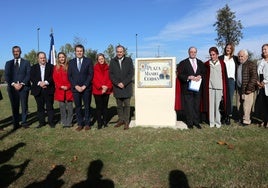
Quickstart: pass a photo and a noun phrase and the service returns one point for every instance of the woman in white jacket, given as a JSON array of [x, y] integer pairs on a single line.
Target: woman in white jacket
[[263, 85]]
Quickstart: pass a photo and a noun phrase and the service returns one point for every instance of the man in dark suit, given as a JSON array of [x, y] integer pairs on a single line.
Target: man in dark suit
[[17, 75], [191, 69], [121, 74], [43, 89], [80, 73]]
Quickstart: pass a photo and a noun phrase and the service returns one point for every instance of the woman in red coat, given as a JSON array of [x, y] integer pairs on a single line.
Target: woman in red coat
[[101, 89], [63, 92]]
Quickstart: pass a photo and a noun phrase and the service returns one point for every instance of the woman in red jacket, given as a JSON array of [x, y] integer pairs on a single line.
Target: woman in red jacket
[[101, 89], [63, 92]]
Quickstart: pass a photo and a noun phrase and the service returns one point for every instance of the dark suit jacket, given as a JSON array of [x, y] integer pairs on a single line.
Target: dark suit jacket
[[84, 77], [36, 77], [185, 69], [22, 75], [124, 75]]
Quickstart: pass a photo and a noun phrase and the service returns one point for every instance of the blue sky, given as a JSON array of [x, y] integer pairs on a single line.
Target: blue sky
[[164, 27]]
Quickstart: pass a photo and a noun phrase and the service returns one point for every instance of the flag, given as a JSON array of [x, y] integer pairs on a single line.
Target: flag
[[52, 55]]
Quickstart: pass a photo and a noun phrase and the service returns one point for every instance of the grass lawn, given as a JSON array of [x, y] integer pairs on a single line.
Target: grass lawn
[[139, 157]]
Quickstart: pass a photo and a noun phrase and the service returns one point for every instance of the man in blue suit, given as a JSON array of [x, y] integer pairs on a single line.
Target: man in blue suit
[[80, 73], [17, 75]]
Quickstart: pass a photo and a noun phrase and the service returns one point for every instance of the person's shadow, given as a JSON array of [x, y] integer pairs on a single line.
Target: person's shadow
[[94, 177], [52, 180], [7, 154], [10, 173], [178, 179]]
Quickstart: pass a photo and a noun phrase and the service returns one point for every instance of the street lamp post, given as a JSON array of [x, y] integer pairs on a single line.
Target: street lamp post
[[136, 45], [38, 39]]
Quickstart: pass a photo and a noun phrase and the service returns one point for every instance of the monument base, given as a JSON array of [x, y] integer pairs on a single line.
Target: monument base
[[179, 125]]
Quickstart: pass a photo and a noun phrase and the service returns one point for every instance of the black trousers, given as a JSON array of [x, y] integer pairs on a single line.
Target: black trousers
[[192, 108], [101, 108], [45, 100]]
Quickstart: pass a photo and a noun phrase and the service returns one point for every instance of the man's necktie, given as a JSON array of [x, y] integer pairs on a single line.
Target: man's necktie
[[194, 65], [79, 64], [16, 64]]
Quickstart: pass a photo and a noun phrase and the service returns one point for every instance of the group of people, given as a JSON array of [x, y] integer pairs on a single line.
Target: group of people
[[218, 80], [70, 82], [220, 77]]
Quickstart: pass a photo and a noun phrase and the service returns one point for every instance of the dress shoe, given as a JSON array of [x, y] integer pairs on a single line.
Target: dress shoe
[[126, 127], [190, 126], [227, 121], [198, 126], [119, 124], [39, 126], [244, 124], [87, 127], [261, 124], [24, 125], [265, 125], [66, 127], [15, 128], [104, 124], [52, 125], [79, 128]]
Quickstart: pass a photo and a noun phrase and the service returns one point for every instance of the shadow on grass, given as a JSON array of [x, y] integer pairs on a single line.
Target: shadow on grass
[[6, 122], [178, 179], [10, 173], [52, 179], [112, 111], [94, 177], [31, 118], [6, 155]]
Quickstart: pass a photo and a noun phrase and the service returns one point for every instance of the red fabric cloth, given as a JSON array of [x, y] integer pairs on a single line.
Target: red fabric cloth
[[60, 78], [178, 95], [101, 77]]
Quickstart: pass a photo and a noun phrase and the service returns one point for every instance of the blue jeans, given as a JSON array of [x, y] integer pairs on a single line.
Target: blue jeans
[[231, 88], [85, 97]]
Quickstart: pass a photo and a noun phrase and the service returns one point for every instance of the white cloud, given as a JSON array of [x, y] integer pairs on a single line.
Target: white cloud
[[197, 28]]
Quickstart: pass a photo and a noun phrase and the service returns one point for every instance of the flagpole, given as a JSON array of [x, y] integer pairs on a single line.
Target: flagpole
[[136, 45]]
